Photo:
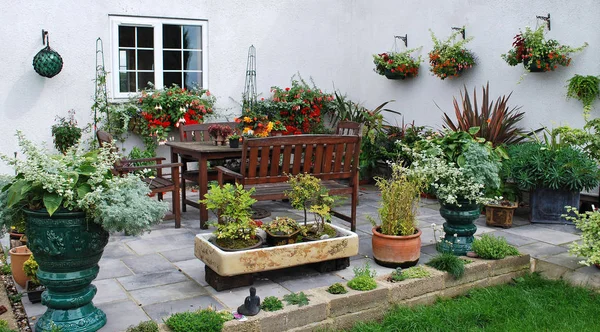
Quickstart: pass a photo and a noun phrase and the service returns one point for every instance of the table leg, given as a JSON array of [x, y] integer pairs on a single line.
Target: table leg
[[203, 184]]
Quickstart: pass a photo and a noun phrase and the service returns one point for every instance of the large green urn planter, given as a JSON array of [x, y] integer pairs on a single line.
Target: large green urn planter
[[459, 222], [67, 248]]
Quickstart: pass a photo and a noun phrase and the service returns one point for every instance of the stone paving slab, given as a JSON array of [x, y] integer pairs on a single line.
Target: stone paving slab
[[117, 250], [564, 259], [158, 311], [165, 293], [112, 268], [541, 249], [235, 297], [543, 234], [109, 290], [151, 279], [148, 263], [513, 239], [164, 243], [181, 254], [194, 268], [121, 315]]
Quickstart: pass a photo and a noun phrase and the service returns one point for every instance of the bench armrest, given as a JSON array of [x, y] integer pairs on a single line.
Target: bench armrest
[[226, 171]]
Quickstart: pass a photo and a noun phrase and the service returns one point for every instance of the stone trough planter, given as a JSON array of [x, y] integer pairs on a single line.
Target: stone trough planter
[[225, 270]]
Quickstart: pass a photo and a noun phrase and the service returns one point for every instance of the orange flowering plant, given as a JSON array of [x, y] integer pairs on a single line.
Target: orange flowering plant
[[397, 65], [449, 58], [538, 54]]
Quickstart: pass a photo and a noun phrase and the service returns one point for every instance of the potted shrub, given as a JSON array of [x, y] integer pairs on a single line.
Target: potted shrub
[[235, 229], [65, 132], [585, 89], [397, 240], [554, 173], [538, 54], [589, 225], [219, 133], [449, 58], [71, 203], [282, 230], [33, 287], [459, 169], [397, 65], [234, 140]]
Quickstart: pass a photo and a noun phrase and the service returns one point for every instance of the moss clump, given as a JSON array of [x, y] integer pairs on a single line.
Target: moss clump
[[337, 288]]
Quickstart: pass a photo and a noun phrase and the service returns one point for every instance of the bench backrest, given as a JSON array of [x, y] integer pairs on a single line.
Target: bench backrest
[[348, 128], [270, 159], [199, 132]]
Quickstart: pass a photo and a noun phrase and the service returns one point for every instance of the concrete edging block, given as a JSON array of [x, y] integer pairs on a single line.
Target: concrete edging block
[[476, 270], [410, 288], [353, 301], [509, 264]]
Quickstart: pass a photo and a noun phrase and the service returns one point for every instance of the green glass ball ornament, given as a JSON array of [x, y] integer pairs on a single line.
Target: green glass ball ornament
[[47, 62]]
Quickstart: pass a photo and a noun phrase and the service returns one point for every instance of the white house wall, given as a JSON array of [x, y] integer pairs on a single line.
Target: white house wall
[[329, 40]]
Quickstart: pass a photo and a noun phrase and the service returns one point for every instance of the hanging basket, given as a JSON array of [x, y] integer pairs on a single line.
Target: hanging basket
[[47, 62]]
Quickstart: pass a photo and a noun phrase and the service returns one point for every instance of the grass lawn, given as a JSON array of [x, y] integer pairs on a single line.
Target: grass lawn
[[530, 304]]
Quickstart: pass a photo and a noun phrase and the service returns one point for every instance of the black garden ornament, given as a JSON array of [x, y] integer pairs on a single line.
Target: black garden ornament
[[47, 62]]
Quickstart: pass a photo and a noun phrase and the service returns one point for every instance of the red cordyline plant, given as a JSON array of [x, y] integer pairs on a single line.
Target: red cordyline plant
[[498, 122]]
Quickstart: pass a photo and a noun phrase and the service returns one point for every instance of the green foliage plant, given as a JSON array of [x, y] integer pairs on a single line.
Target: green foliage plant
[[589, 225], [309, 195], [585, 89], [232, 205], [415, 272], [81, 181], [534, 51], [337, 288], [204, 320], [399, 203], [30, 267], [586, 138], [147, 326], [15, 298], [497, 122], [491, 247], [65, 132], [11, 218], [282, 226], [364, 278], [299, 299], [448, 262], [449, 57], [271, 303], [399, 63], [550, 165]]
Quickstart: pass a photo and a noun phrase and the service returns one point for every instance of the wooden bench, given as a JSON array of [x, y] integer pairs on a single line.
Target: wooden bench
[[266, 163]]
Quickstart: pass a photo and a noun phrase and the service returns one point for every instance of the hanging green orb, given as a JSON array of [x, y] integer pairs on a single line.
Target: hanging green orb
[[47, 62]]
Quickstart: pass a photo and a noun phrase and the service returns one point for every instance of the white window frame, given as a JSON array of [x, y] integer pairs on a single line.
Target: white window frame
[[156, 23]]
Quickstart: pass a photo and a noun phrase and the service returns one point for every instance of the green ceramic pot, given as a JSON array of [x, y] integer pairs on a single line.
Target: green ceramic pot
[[67, 248], [459, 222]]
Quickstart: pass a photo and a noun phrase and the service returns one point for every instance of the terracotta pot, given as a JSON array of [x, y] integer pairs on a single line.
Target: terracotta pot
[[18, 256], [396, 251], [500, 215]]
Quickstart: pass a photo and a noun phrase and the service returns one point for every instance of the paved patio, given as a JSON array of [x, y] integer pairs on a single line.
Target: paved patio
[[155, 275]]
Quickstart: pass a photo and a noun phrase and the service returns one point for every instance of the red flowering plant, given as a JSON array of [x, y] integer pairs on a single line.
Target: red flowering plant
[[449, 58], [301, 107], [160, 110], [397, 65], [538, 54]]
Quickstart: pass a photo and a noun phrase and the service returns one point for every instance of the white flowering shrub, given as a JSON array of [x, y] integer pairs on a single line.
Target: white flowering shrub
[[589, 224]]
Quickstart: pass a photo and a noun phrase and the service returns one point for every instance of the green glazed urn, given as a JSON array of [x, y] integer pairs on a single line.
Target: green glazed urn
[[459, 227], [67, 248]]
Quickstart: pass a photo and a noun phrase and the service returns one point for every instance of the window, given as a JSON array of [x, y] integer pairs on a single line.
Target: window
[[159, 51]]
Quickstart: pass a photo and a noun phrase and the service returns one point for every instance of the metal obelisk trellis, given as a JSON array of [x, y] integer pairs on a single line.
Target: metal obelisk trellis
[[100, 96], [249, 97]]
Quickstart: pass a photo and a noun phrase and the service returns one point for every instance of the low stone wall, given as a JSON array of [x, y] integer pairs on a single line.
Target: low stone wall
[[328, 311]]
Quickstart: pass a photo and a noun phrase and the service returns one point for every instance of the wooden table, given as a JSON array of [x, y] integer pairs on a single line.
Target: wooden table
[[203, 152]]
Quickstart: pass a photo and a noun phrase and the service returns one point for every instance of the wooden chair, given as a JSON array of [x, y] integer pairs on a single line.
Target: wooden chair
[[348, 128], [159, 183], [195, 133]]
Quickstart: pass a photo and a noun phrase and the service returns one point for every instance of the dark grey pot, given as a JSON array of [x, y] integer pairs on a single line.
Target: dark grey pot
[[548, 205]]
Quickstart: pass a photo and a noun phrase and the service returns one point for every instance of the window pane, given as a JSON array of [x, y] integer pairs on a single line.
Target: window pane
[[126, 59], [192, 80], [171, 36], [192, 37], [145, 60], [126, 36], [192, 60], [127, 82], [172, 60], [144, 78], [145, 37], [172, 78]]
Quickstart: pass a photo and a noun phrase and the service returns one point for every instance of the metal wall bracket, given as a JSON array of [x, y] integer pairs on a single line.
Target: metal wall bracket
[[462, 31], [545, 18], [45, 38], [403, 38]]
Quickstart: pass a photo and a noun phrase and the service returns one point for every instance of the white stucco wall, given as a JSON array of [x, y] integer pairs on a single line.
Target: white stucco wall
[[330, 40]]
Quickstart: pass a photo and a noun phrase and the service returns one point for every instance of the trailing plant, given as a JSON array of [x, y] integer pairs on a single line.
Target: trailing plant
[[81, 181], [538, 54], [491, 247], [364, 278], [585, 89], [204, 320], [497, 122], [65, 132], [282, 226], [589, 225], [30, 267], [337, 288], [448, 262], [550, 165], [147, 326], [449, 58], [587, 139], [299, 299], [400, 64], [271, 303], [399, 203]]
